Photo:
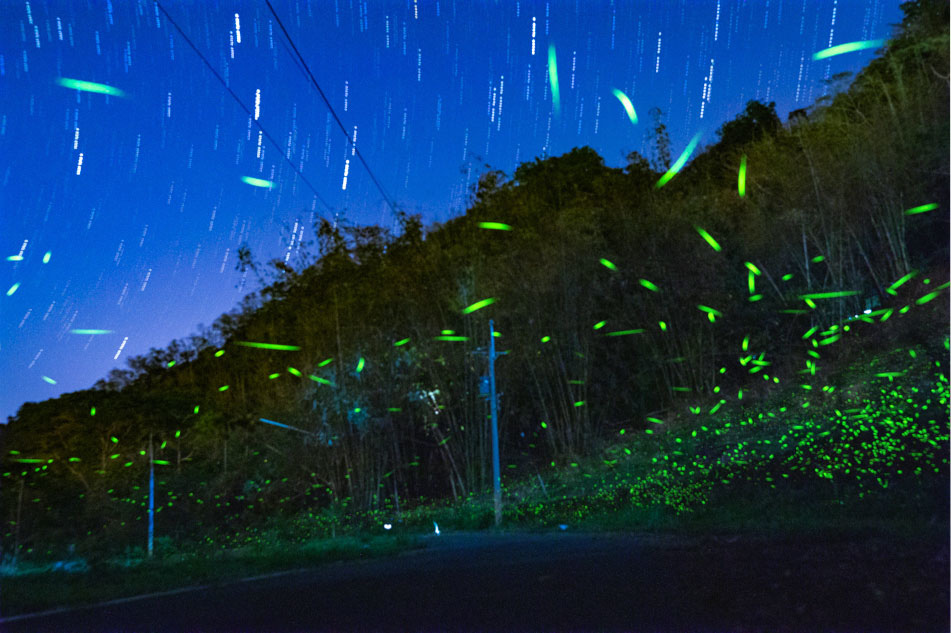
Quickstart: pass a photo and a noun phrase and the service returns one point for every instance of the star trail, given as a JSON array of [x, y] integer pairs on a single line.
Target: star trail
[[131, 175]]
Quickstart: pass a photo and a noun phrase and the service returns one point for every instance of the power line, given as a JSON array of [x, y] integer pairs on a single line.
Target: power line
[[330, 107], [243, 107]]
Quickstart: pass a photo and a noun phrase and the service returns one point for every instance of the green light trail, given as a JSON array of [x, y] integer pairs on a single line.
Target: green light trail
[[628, 106], [89, 86], [478, 305], [741, 180], [709, 238], [257, 182], [497, 226], [285, 348], [850, 47], [922, 209], [553, 77], [829, 295], [676, 167]]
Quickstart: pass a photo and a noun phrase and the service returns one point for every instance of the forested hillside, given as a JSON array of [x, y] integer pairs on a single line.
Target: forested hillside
[[622, 305]]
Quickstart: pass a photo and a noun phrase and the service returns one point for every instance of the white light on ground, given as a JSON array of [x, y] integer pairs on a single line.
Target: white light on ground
[[387, 526], [437, 528]]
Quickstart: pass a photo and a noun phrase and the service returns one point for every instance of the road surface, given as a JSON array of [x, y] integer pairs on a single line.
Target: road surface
[[566, 582]]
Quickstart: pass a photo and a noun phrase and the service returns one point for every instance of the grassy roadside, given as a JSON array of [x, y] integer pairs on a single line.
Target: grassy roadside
[[44, 590], [862, 452]]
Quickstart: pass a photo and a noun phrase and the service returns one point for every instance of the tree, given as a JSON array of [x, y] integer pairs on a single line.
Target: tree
[[661, 161]]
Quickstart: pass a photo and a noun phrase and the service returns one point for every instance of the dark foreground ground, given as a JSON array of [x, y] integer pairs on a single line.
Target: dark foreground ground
[[568, 582]]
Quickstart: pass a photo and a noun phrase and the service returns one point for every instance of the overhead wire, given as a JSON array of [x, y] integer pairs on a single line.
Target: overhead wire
[[247, 111], [330, 107]]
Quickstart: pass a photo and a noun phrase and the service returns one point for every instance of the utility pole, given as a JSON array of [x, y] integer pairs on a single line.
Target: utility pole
[[494, 407], [496, 476], [151, 496]]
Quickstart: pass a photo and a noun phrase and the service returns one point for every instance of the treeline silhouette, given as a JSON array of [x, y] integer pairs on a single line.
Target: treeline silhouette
[[393, 414]]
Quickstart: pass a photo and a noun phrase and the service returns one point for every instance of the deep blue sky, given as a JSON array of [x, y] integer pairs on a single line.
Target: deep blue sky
[[143, 236]]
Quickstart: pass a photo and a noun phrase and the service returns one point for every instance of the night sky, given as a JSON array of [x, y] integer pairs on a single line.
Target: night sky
[[138, 198]]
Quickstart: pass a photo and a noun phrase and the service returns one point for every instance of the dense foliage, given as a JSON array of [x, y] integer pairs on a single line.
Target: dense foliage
[[612, 306]]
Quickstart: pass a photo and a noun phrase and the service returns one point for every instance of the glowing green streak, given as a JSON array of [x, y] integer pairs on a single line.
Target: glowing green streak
[[599, 325], [295, 372], [928, 297], [628, 106], [49, 380], [750, 281], [46, 257], [450, 338], [608, 264], [403, 342], [828, 295], [223, 388], [15, 258], [553, 77], [219, 353], [478, 305], [809, 333], [545, 339], [90, 331], [655, 420], [649, 285], [257, 182], [709, 310], [850, 47], [322, 381], [286, 348], [13, 288], [922, 209], [360, 364], [891, 289], [752, 267], [676, 167], [171, 363], [89, 86], [324, 363], [273, 376], [741, 181], [29, 460], [709, 238], [498, 226], [746, 343], [92, 411]]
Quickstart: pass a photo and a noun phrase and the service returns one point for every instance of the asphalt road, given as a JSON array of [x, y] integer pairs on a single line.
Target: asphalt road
[[567, 582]]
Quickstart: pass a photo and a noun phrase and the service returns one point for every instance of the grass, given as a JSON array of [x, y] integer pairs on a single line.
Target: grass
[[44, 590], [867, 458]]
